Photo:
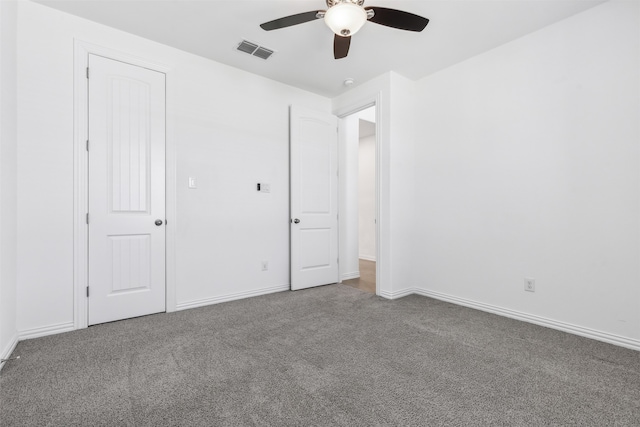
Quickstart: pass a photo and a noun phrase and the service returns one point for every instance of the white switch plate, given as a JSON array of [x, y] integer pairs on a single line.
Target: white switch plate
[[192, 182], [265, 188]]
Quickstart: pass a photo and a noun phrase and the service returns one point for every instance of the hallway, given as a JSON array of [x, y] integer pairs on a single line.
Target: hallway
[[367, 280]]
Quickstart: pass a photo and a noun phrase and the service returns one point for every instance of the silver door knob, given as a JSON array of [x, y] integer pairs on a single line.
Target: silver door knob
[[158, 222], [296, 221]]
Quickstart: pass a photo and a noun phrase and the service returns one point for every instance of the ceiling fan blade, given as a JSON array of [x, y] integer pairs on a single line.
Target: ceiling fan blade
[[398, 19], [288, 21], [341, 46]]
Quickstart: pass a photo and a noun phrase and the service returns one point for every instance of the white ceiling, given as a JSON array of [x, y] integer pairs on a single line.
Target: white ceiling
[[458, 29]]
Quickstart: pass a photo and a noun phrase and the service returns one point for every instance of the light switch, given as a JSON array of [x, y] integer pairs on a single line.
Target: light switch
[[192, 182]]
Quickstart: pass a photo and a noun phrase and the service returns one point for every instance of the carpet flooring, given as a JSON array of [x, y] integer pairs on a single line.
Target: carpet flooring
[[332, 355]]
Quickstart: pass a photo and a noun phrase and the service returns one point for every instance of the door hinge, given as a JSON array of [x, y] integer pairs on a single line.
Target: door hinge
[[87, 145], [87, 292], [87, 72], [87, 218], [338, 260]]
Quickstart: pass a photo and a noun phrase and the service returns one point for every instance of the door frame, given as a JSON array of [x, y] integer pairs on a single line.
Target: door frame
[[82, 50], [342, 113]]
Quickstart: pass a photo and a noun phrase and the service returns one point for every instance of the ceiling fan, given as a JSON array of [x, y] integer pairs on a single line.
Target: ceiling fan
[[346, 17]]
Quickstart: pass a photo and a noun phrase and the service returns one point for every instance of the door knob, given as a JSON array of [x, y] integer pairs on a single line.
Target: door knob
[[296, 221], [158, 222]]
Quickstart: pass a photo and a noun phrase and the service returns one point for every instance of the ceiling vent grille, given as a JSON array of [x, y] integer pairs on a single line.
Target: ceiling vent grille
[[247, 47], [263, 52], [254, 49]]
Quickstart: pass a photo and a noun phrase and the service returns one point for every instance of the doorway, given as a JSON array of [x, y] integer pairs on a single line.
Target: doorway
[[358, 202]]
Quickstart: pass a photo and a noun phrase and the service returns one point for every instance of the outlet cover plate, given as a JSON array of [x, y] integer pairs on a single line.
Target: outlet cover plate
[[529, 284], [193, 183]]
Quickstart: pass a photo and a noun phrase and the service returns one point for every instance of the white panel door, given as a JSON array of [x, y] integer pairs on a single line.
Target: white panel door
[[314, 198], [126, 190]]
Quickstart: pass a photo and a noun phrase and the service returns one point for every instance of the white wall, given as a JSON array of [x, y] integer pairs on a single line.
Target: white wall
[[367, 198], [402, 167], [231, 132], [529, 166], [8, 144]]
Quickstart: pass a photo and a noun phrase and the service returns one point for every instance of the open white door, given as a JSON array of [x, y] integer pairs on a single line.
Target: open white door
[[314, 198], [126, 190]]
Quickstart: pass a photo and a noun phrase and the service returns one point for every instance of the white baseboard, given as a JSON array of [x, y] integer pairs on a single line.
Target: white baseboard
[[230, 297], [531, 318], [6, 352], [367, 257], [349, 276], [397, 294], [46, 330]]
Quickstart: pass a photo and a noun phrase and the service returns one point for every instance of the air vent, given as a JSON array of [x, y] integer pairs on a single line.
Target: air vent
[[263, 53], [247, 47], [254, 49]]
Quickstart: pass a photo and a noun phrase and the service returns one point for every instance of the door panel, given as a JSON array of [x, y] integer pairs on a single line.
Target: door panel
[[128, 145], [126, 190], [130, 261], [314, 198]]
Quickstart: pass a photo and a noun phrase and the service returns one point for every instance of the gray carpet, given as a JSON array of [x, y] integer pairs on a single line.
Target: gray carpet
[[327, 356]]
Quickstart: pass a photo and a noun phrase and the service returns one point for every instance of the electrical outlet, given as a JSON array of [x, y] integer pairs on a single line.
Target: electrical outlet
[[265, 265], [529, 284]]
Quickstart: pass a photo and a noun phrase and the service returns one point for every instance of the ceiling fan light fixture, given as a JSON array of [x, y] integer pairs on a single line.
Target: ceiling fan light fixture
[[345, 18]]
